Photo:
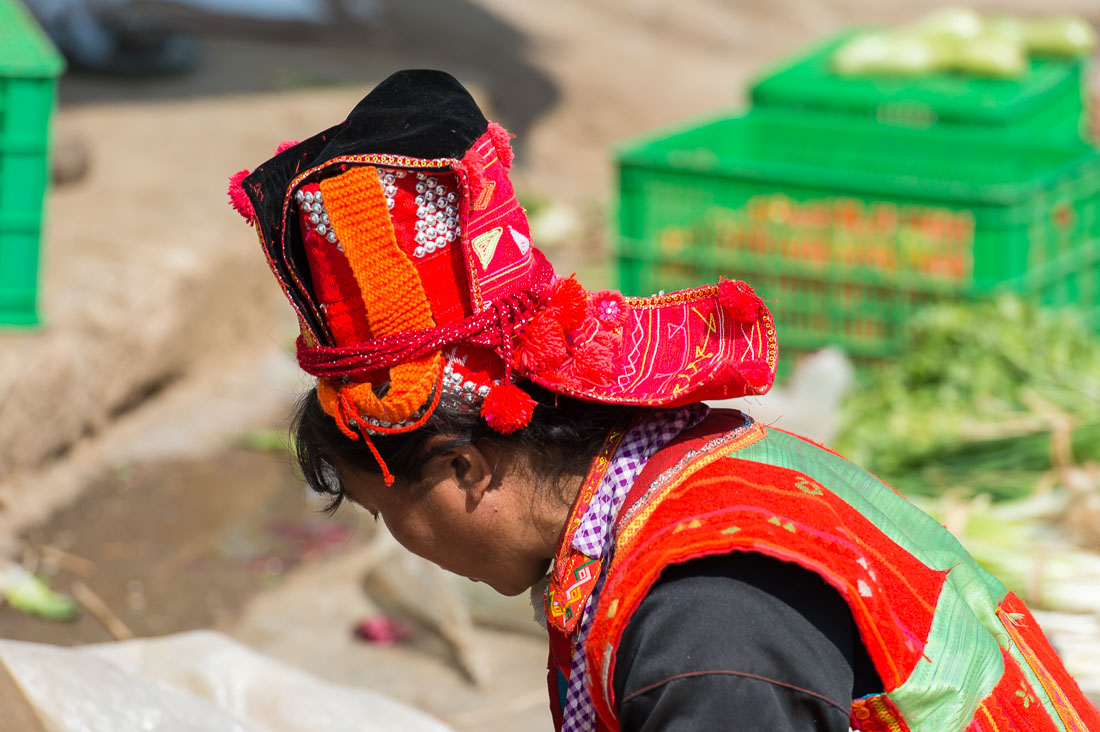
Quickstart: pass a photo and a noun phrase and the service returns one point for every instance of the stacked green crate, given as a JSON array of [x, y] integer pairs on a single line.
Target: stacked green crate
[[29, 67], [846, 226], [1046, 102]]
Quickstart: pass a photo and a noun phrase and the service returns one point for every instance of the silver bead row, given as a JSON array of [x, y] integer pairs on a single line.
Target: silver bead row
[[313, 210], [458, 385]]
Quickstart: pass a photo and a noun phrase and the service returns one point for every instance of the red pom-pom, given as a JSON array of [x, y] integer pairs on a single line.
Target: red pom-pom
[[594, 360], [475, 172], [570, 302], [238, 198], [285, 145], [739, 299], [501, 138], [542, 346], [757, 374], [507, 408]]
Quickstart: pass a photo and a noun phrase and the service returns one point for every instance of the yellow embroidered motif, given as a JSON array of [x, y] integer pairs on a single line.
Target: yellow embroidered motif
[[485, 245]]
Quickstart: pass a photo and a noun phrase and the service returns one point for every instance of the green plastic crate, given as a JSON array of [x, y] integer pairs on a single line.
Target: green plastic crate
[[29, 67], [846, 229], [1048, 101]]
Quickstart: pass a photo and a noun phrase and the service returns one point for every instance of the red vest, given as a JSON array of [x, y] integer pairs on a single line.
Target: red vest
[[954, 649]]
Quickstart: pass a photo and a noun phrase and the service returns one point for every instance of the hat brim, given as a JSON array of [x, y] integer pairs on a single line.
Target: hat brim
[[679, 348]]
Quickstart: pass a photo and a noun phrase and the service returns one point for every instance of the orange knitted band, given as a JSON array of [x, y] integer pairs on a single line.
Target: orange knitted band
[[392, 292]]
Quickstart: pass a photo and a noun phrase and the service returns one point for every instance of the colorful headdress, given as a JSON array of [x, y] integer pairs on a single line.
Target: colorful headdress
[[399, 241]]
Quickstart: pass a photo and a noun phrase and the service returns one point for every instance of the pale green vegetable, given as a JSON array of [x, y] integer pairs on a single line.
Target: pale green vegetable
[[1009, 27], [1060, 36], [990, 55], [885, 53], [954, 23], [958, 409], [30, 594], [959, 39]]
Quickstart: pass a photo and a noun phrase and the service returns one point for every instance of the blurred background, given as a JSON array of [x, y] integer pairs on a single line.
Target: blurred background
[[916, 195]]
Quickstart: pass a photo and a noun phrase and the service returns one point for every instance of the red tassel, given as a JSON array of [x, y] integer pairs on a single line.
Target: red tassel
[[501, 137], [238, 198], [542, 346], [739, 299], [475, 172], [285, 145], [570, 302], [757, 374], [507, 408], [594, 360]]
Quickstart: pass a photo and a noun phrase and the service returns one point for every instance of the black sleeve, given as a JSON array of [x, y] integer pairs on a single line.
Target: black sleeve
[[740, 642]]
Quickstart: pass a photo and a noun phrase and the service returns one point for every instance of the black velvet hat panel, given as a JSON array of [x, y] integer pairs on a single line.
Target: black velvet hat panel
[[417, 113]]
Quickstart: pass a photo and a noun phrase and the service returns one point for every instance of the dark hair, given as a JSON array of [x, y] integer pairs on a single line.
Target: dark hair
[[562, 439]]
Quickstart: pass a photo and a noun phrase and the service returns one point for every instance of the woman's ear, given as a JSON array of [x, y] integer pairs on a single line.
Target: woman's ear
[[465, 466], [473, 471]]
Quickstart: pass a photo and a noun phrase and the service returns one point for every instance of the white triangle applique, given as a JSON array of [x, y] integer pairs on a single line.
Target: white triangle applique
[[485, 245], [522, 241]]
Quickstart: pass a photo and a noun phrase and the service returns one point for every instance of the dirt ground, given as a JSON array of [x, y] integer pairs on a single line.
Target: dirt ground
[[170, 519]]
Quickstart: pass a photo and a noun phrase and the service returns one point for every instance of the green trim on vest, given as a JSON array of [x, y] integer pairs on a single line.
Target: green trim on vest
[[930, 699], [963, 657]]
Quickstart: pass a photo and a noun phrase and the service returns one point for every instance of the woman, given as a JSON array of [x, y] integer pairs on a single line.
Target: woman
[[698, 570]]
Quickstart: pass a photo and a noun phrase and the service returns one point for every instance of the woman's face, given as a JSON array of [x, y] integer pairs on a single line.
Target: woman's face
[[468, 520]]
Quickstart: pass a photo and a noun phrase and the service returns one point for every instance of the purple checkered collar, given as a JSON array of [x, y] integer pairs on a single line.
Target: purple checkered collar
[[639, 444]]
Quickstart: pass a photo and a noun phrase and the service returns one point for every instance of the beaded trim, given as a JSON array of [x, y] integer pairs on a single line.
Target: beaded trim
[[312, 208], [437, 216]]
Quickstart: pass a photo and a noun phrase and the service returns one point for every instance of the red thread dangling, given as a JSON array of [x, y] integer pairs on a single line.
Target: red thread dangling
[[347, 412], [387, 476]]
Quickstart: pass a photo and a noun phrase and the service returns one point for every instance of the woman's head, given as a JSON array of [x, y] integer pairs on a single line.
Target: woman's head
[[398, 238], [482, 504]]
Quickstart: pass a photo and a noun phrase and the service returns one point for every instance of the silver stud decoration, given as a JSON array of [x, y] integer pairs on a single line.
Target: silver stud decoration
[[436, 215], [313, 210], [461, 390]]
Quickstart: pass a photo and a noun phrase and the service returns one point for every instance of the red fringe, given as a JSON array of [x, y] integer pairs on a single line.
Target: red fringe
[[501, 137], [570, 302], [475, 172], [542, 346], [507, 408], [757, 374], [238, 198], [739, 299], [594, 360], [285, 145]]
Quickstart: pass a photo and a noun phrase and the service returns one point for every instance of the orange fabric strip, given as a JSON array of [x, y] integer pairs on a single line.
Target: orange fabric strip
[[391, 287]]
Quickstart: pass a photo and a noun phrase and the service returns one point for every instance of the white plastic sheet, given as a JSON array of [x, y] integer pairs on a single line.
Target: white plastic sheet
[[201, 681]]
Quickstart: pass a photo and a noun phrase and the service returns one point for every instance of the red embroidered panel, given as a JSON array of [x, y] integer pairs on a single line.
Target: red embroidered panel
[[1070, 703], [1012, 706], [737, 505]]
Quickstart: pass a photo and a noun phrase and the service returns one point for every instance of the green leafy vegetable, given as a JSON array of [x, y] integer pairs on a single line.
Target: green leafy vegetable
[[976, 398]]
